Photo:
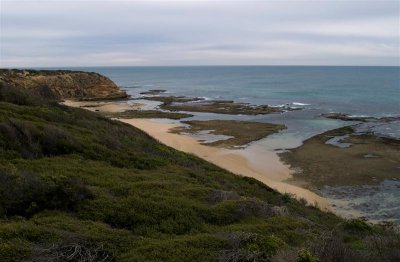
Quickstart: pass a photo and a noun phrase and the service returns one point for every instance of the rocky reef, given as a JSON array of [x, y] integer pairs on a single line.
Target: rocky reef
[[63, 84], [347, 117], [199, 104]]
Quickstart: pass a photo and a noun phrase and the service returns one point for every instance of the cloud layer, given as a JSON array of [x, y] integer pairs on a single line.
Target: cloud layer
[[112, 33]]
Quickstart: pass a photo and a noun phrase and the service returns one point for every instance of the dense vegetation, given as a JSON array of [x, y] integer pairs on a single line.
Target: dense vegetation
[[75, 186]]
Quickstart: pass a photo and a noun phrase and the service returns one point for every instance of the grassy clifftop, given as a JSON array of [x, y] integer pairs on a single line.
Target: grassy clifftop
[[76, 185]]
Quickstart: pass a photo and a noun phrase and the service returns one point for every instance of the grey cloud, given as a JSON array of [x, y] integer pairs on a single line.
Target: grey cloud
[[76, 33]]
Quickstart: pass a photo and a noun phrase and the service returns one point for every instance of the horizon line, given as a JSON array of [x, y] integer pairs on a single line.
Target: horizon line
[[222, 65]]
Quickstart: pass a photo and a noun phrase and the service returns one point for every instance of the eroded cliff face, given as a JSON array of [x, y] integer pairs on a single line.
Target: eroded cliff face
[[63, 84]]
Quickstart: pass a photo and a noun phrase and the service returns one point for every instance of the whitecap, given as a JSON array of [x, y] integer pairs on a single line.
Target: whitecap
[[299, 104], [201, 99], [278, 106], [205, 97], [359, 116]]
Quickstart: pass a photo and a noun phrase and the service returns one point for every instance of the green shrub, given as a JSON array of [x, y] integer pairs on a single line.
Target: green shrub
[[245, 246], [357, 226], [34, 141], [14, 250], [26, 193], [305, 256], [224, 213], [271, 244], [18, 95]]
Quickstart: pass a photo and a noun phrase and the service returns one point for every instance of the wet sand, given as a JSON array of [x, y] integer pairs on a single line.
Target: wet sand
[[241, 162]]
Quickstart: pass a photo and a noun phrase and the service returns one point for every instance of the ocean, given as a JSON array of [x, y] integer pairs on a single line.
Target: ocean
[[358, 91], [354, 90]]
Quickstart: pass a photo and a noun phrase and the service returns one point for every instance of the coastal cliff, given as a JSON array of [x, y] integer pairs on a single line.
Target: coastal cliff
[[63, 84]]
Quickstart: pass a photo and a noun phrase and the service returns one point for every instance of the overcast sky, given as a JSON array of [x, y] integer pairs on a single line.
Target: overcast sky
[[122, 33]]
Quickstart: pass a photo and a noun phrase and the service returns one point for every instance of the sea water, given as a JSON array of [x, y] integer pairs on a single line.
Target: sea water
[[361, 91], [371, 91]]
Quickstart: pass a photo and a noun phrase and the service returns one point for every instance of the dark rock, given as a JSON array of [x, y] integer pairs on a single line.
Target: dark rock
[[346, 117], [153, 92]]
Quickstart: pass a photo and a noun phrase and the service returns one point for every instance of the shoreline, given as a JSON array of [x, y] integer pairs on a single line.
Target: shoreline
[[269, 170]]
